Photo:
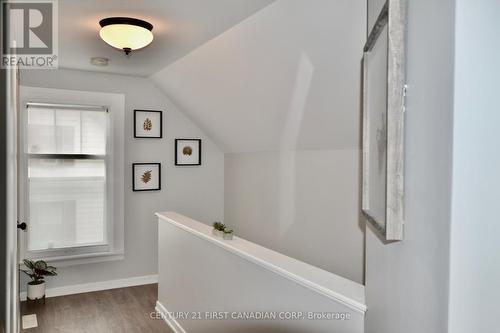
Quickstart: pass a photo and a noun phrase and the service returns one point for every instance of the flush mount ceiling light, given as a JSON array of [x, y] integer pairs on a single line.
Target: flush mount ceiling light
[[126, 33]]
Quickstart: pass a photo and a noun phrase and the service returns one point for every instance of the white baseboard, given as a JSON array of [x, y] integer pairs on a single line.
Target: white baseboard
[[169, 319], [97, 286]]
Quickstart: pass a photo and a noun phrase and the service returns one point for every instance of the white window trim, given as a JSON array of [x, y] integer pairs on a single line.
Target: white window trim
[[115, 104]]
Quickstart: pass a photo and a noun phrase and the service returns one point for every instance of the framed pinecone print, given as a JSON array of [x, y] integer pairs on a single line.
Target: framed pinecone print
[[148, 124], [146, 177], [187, 152]]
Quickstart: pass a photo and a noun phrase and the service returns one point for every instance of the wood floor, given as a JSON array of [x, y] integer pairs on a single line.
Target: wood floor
[[109, 311]]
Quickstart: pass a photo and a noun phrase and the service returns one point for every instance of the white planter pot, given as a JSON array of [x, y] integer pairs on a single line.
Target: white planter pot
[[227, 236], [36, 291]]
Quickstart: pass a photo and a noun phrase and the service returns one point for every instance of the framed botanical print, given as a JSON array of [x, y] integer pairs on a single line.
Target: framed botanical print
[[384, 91], [146, 177], [187, 152], [148, 124]]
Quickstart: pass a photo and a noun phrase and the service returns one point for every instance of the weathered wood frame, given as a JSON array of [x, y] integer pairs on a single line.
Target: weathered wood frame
[[393, 15]]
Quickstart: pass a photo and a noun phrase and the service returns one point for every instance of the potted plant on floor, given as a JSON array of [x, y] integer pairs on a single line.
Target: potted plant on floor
[[37, 270]]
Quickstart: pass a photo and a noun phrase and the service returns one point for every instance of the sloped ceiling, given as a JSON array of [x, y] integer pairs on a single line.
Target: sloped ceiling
[[179, 27], [288, 77]]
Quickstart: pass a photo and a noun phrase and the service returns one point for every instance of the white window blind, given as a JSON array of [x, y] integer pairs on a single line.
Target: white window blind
[[67, 189]]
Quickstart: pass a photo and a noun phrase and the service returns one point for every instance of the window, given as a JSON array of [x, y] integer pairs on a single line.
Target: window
[[71, 175], [68, 192]]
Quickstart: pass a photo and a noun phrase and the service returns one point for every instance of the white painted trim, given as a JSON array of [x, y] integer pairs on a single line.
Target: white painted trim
[[169, 319], [115, 166], [337, 288], [80, 259], [97, 286]]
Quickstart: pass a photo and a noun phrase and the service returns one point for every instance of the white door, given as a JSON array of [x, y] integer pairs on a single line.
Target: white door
[[12, 313]]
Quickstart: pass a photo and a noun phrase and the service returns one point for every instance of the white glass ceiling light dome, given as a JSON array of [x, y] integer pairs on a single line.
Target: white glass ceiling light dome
[[126, 33]]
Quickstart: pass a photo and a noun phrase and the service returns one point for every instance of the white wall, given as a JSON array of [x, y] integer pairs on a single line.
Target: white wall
[[301, 203], [475, 248], [291, 69], [194, 191], [210, 277], [407, 282], [280, 93]]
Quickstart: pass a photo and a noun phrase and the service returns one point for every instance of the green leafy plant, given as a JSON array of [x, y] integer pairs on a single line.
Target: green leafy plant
[[37, 270], [219, 226], [228, 231]]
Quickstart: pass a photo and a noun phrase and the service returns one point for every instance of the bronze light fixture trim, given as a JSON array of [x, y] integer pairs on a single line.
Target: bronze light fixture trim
[[126, 33]]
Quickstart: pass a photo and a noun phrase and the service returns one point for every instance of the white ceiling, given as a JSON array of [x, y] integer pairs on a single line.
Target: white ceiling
[[288, 77], [180, 26]]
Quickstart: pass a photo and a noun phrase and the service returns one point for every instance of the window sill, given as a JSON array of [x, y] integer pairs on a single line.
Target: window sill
[[82, 259]]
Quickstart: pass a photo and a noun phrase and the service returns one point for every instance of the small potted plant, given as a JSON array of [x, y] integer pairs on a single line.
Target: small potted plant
[[228, 234], [37, 270], [218, 229]]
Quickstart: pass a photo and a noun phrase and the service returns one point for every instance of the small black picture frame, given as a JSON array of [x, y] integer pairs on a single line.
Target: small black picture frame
[[155, 177], [155, 125], [190, 150]]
